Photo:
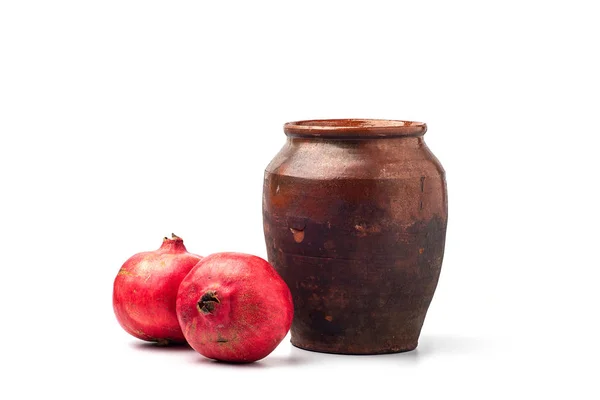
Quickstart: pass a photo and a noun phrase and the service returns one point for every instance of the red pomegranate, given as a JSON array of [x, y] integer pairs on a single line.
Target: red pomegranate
[[145, 291], [234, 307]]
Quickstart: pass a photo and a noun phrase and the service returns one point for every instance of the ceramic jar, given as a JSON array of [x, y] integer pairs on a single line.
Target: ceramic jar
[[355, 215]]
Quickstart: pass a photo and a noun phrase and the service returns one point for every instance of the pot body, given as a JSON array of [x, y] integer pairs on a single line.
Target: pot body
[[355, 225]]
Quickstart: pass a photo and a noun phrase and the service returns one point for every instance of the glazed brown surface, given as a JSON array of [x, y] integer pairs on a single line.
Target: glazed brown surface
[[355, 224]]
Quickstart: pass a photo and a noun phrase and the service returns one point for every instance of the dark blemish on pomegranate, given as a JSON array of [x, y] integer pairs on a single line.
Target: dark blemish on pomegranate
[[208, 302], [140, 332], [221, 340]]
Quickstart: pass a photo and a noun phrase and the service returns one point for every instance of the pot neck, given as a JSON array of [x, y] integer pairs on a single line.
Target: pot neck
[[408, 141]]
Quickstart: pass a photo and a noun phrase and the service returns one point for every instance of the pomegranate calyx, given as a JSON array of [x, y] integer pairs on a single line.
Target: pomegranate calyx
[[208, 302], [175, 244], [174, 238]]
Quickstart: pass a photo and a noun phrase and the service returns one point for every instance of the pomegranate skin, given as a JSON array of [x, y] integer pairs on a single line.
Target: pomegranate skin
[[234, 307], [145, 292]]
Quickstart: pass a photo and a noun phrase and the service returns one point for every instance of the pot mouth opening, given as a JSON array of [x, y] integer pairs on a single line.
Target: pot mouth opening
[[354, 128]]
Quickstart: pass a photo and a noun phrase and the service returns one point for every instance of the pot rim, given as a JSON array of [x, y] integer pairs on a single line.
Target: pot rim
[[358, 128]]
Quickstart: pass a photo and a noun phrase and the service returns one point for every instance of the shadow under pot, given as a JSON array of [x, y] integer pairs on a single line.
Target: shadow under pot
[[355, 215]]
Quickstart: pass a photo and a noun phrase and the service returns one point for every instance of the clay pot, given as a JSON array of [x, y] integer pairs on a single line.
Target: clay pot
[[355, 216]]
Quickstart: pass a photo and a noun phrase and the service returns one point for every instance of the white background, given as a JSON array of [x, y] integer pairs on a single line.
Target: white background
[[124, 121]]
